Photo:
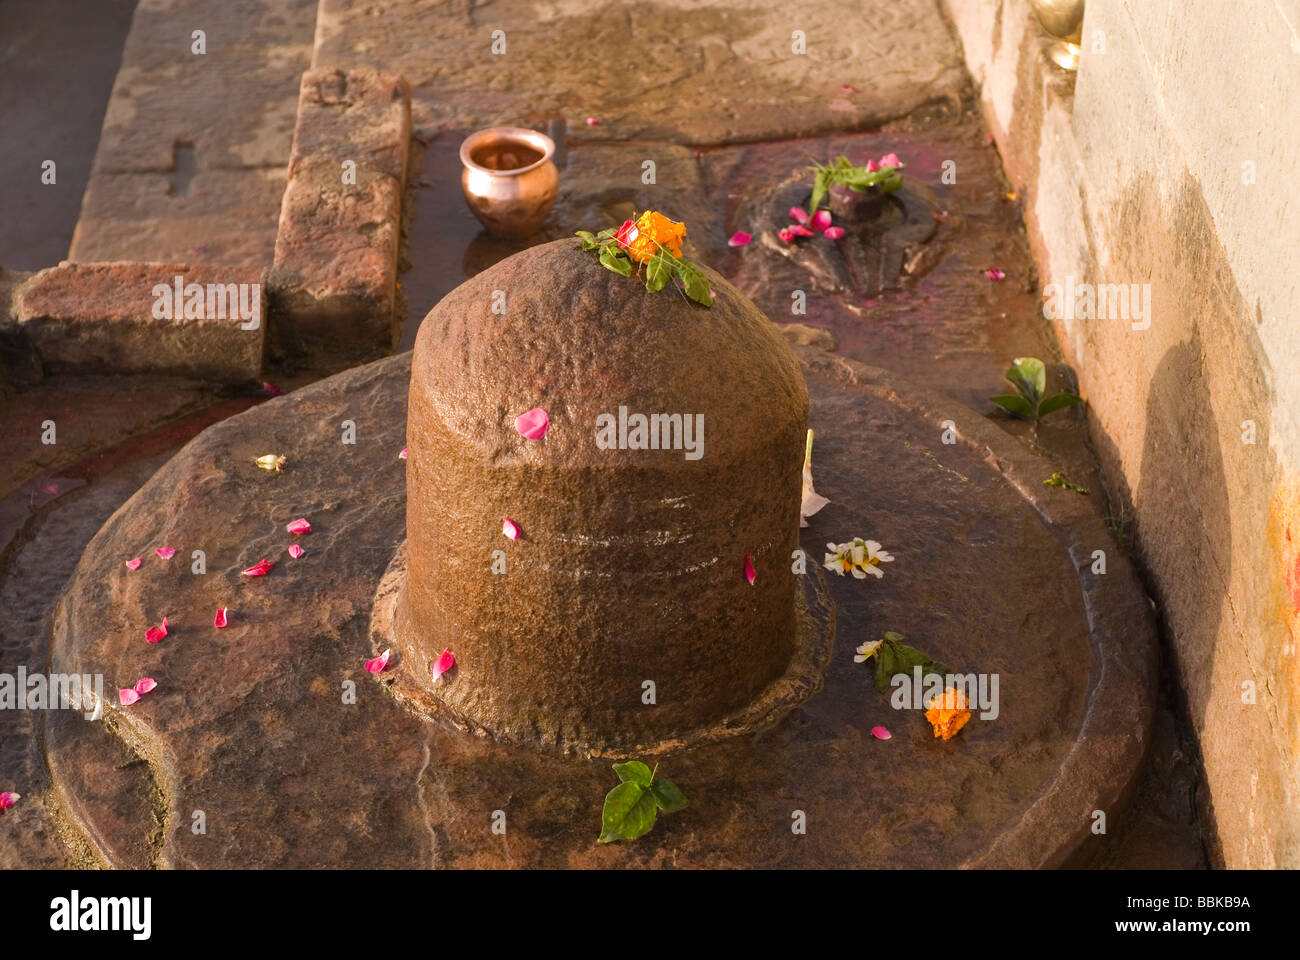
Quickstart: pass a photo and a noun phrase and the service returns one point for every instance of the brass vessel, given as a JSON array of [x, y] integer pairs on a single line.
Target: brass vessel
[[509, 179]]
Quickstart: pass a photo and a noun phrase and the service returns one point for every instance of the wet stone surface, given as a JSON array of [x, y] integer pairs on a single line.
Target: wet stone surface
[[262, 701]]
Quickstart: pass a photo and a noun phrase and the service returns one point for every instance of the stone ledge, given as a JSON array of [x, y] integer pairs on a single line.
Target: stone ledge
[[335, 270], [103, 318]]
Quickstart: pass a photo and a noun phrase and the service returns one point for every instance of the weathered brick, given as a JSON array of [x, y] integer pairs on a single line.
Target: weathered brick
[[110, 318], [336, 249]]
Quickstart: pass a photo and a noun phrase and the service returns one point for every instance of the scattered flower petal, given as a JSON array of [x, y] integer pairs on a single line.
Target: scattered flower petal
[[812, 501], [271, 463], [750, 573], [848, 89], [127, 696], [259, 569], [593, 122], [8, 799], [890, 160], [134, 564], [154, 634], [144, 685], [820, 220], [296, 551], [799, 214], [166, 552], [271, 389], [799, 230], [444, 663], [739, 239], [871, 166], [881, 733], [299, 526], [402, 455], [785, 235], [510, 528], [994, 274], [51, 488], [833, 233], [380, 663], [221, 619], [533, 424]]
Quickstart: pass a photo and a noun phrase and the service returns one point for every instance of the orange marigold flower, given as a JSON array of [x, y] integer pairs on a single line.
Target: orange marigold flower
[[948, 713], [651, 232]]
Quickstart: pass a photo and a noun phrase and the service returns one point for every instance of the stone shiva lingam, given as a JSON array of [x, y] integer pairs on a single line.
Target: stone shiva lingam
[[670, 460]]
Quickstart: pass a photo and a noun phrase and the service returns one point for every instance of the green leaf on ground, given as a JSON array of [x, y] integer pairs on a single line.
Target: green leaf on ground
[[629, 812], [1015, 405], [634, 771], [1058, 402], [667, 796]]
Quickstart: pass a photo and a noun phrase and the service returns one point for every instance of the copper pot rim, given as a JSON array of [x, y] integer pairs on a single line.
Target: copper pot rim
[[532, 138]]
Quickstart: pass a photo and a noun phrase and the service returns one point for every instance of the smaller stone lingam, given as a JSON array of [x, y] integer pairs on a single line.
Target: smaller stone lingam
[[509, 179], [630, 573]]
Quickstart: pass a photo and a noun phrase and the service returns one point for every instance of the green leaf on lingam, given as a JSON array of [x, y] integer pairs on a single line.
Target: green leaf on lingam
[[657, 272], [631, 808], [588, 239], [695, 283], [610, 259]]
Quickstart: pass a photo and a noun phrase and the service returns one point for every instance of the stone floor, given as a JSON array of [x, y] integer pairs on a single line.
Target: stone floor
[[734, 115]]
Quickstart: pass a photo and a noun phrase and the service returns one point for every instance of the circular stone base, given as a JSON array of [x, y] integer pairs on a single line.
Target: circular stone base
[[299, 758]]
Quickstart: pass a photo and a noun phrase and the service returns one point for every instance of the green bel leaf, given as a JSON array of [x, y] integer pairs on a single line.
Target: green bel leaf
[[607, 233], [696, 284], [886, 664], [666, 795], [1058, 402], [820, 182], [634, 771], [1029, 376], [629, 812], [613, 261], [588, 239], [1013, 404], [657, 272]]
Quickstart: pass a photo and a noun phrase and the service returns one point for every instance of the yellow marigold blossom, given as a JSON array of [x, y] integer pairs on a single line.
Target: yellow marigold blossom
[[948, 713], [651, 232]]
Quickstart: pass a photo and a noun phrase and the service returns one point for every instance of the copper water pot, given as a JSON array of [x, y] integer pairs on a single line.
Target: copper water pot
[[509, 180]]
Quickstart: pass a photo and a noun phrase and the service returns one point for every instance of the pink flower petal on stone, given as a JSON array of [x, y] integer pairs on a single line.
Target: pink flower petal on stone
[[296, 551], [994, 274], [533, 424], [444, 663], [134, 564], [8, 799], [739, 239], [402, 455], [881, 733], [799, 214], [259, 569], [847, 89], [833, 233], [785, 235], [299, 526], [127, 697], [871, 166], [166, 552], [800, 231], [154, 634], [144, 685], [220, 620], [750, 573], [379, 663], [510, 528], [593, 122], [271, 389], [890, 160], [820, 220]]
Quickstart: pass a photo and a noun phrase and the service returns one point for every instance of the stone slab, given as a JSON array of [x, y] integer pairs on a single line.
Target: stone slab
[[102, 318], [691, 71], [252, 723], [336, 247]]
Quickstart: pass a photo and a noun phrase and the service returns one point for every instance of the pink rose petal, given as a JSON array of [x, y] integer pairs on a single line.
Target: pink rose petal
[[402, 455], [220, 620], [51, 488], [871, 166], [799, 214], [271, 389], [533, 424], [127, 697], [154, 634], [820, 220], [166, 552], [445, 662], [380, 663], [134, 564], [593, 122], [145, 684], [890, 160], [510, 528], [8, 799], [739, 239], [994, 274], [750, 573], [259, 569], [847, 89], [800, 231], [785, 235], [833, 233], [299, 526], [881, 733], [296, 551]]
